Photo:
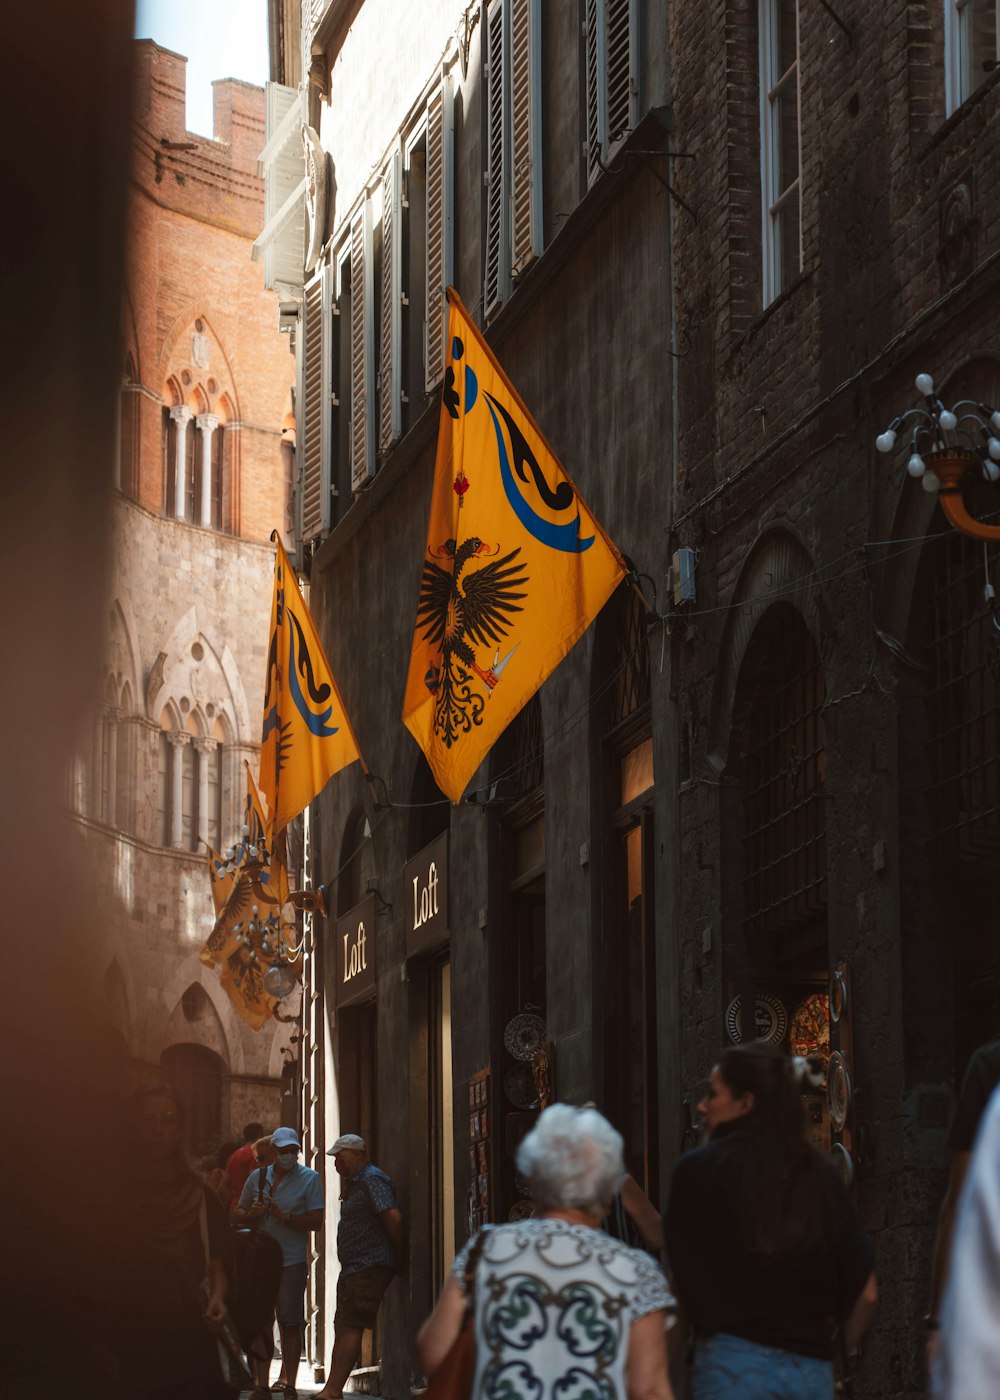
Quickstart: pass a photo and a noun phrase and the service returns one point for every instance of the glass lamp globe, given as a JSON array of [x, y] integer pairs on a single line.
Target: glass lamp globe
[[279, 980]]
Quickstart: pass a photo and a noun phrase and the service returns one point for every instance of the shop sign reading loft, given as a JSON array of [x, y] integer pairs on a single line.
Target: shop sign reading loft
[[355, 943], [425, 880], [944, 444]]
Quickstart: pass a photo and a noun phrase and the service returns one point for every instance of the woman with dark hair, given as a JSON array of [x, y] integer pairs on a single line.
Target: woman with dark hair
[[175, 1303], [764, 1244]]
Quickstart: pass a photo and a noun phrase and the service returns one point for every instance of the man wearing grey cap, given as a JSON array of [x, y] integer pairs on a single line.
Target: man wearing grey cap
[[369, 1244], [286, 1199]]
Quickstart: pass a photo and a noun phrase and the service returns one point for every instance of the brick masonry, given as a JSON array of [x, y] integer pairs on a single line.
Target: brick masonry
[[778, 409], [189, 606]]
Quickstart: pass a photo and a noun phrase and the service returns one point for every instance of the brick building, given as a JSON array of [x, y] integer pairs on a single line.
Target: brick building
[[201, 477], [711, 246], [836, 680]]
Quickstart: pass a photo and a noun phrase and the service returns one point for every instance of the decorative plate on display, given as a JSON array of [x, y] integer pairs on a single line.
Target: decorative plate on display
[[838, 1082], [838, 996], [521, 1210], [844, 1163], [810, 1032], [525, 1036], [519, 1085], [770, 1018]]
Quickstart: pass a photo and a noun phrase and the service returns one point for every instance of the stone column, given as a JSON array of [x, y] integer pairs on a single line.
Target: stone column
[[177, 739], [206, 423], [181, 415], [206, 747]]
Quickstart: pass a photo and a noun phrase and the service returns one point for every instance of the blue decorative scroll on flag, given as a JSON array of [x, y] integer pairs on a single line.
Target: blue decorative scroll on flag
[[306, 736], [516, 566]]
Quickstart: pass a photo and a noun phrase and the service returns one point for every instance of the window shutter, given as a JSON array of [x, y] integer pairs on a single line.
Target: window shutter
[[597, 121], [440, 225], [314, 447], [621, 30], [526, 162], [362, 366], [390, 402], [497, 237]]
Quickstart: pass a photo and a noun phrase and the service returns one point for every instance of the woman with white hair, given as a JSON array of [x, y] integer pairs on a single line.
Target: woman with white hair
[[559, 1308]]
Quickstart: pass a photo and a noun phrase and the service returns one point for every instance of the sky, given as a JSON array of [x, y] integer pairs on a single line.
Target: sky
[[219, 38]]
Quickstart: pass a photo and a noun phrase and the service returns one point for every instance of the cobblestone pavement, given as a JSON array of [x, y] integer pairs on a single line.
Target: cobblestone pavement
[[306, 1386]]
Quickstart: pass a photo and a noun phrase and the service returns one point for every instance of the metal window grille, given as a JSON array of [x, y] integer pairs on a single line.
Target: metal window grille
[[784, 840], [631, 688], [526, 739]]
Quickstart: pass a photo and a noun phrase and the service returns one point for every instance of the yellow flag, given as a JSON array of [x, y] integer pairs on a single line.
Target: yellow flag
[[252, 928], [253, 919], [516, 567], [306, 735]]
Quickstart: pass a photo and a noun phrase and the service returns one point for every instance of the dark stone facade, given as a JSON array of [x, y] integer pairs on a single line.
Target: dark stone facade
[[745, 433]]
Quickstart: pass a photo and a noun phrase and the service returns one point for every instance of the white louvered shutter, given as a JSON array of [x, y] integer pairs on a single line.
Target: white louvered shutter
[[597, 120], [362, 358], [497, 235], [390, 400], [621, 30], [440, 227], [314, 445], [612, 76], [525, 133]]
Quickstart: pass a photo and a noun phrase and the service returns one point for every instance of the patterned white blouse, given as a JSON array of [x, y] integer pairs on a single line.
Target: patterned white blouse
[[554, 1304]]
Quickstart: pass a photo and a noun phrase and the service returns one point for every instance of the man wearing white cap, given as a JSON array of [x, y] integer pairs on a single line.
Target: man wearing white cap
[[369, 1244], [288, 1201]]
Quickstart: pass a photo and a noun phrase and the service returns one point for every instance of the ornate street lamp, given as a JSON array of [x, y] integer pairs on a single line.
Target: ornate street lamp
[[270, 938], [944, 443]]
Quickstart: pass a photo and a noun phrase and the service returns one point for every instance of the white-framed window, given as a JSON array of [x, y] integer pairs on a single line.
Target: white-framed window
[[780, 156], [971, 47], [611, 60], [513, 174]]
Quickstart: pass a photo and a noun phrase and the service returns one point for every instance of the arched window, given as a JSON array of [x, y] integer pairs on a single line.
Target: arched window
[[196, 1075], [357, 863], [164, 766]]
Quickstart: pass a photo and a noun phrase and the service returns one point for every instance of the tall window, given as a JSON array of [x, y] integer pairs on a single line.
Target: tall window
[[217, 451], [778, 756], [513, 175], [164, 759], [630, 935], [972, 45], [168, 442], [612, 76], [780, 164], [128, 431]]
